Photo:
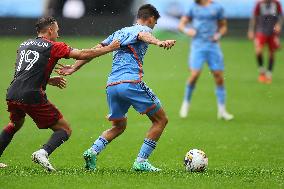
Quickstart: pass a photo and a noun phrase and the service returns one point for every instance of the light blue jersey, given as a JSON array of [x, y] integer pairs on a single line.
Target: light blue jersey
[[125, 87], [203, 48], [205, 22], [128, 60]]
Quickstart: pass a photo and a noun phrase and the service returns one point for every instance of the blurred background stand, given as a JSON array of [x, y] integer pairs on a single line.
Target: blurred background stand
[[102, 17]]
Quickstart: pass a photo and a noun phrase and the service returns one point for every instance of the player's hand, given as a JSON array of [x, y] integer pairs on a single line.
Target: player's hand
[[98, 46], [191, 32], [65, 69], [250, 35], [216, 37], [277, 29], [58, 81], [114, 45], [167, 44]]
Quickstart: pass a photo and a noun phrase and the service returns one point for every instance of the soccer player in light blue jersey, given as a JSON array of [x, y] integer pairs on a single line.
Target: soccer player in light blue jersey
[[207, 26], [125, 88]]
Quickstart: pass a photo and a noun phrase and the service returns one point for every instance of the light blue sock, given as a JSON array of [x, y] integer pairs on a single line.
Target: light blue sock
[[188, 92], [99, 145], [221, 95], [146, 149]]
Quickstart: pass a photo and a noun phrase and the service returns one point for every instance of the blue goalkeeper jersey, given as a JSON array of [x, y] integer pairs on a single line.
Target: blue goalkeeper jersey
[[205, 22], [128, 59]]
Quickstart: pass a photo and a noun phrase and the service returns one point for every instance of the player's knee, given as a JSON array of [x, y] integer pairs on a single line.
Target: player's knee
[[258, 51], [218, 78], [193, 79], [120, 123], [14, 127], [10, 128], [66, 127], [119, 126], [121, 129], [163, 121], [219, 81], [68, 130]]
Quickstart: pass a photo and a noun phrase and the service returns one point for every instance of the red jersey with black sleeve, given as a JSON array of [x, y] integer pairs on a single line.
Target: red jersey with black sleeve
[[35, 61], [267, 15]]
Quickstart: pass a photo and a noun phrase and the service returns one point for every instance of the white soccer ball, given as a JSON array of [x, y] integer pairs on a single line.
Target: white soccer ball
[[195, 160]]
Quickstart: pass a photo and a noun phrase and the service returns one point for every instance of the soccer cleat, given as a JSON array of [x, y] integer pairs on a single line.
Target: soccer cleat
[[262, 78], [41, 157], [144, 166], [184, 109], [2, 165], [225, 115], [90, 159]]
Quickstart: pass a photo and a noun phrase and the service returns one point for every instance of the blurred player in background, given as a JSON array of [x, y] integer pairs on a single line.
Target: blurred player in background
[[125, 88], [35, 61], [208, 25], [265, 27]]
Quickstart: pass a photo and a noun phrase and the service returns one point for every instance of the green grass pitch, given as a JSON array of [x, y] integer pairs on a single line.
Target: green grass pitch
[[244, 153]]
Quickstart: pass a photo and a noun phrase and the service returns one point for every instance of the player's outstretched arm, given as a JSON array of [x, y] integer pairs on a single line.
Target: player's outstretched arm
[[149, 38], [70, 69], [86, 54]]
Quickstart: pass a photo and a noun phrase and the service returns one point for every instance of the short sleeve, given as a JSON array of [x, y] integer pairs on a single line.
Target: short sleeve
[[189, 13], [279, 8], [221, 13], [108, 40], [130, 36], [60, 50], [256, 11]]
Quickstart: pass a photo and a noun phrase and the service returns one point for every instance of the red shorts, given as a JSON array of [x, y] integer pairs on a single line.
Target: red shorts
[[44, 115], [273, 41]]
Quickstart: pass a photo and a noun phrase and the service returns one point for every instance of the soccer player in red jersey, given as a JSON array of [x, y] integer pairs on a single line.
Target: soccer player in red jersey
[[265, 27], [36, 59]]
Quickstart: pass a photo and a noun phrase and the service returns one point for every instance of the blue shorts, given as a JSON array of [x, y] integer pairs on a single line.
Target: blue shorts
[[214, 59], [120, 97]]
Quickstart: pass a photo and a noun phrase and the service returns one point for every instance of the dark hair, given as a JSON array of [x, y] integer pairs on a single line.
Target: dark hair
[[146, 11], [198, 1], [44, 22]]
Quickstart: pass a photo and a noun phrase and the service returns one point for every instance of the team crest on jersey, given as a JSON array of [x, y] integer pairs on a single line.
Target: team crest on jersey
[[268, 9]]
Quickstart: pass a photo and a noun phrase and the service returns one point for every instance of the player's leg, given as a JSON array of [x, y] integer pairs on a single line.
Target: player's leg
[[100, 144], [221, 96], [146, 102], [48, 116], [260, 41], [216, 65], [274, 44], [118, 108], [159, 122], [197, 58], [61, 133], [17, 117], [270, 67], [8, 133], [117, 129]]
